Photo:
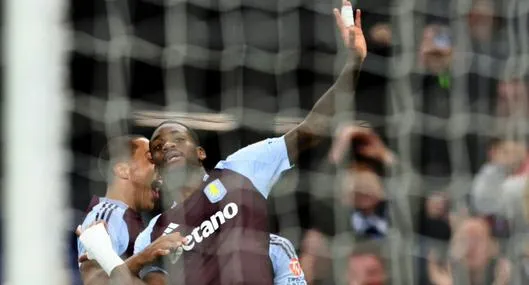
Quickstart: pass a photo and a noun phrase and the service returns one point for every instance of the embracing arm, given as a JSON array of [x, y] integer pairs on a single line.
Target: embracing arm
[[318, 122], [93, 274], [110, 269]]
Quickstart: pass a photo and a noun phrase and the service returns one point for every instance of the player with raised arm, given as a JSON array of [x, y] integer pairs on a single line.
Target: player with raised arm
[[130, 174], [285, 262], [223, 213]]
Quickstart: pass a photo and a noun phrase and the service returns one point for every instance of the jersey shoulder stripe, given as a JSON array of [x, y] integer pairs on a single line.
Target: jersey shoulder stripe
[[112, 208], [105, 212], [284, 244]]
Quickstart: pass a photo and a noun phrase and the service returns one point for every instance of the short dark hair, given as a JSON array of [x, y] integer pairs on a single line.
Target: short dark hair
[[190, 131], [117, 149]]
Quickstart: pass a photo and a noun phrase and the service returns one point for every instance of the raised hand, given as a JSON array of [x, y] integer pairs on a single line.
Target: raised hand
[[352, 36], [368, 144], [438, 275]]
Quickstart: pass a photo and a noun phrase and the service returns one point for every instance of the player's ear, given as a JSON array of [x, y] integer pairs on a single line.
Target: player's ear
[[121, 170], [201, 153]]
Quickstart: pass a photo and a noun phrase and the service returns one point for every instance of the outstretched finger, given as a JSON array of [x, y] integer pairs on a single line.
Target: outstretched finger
[[358, 18], [339, 20]]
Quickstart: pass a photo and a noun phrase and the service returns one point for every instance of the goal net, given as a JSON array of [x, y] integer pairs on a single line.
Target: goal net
[[442, 79]]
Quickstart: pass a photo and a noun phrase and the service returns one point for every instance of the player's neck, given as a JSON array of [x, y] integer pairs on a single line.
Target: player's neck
[[192, 183], [121, 192]]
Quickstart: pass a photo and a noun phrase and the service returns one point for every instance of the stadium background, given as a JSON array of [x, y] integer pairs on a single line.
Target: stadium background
[[267, 57]]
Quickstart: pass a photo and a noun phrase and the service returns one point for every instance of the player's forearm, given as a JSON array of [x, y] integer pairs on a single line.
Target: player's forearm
[[319, 119], [135, 263], [92, 274], [121, 275], [317, 124]]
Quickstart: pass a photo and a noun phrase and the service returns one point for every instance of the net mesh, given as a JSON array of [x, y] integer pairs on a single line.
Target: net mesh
[[241, 71]]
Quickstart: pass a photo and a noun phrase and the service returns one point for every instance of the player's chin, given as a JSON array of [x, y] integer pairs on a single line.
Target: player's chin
[[175, 165]]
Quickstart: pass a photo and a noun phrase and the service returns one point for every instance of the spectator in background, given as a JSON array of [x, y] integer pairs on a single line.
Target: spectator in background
[[432, 101], [473, 258], [366, 266], [363, 194], [359, 207], [513, 101], [496, 190], [484, 29], [435, 218], [362, 201], [433, 228], [376, 22]]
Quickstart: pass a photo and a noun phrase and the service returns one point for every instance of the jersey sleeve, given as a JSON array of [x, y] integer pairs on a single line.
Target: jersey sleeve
[[261, 162], [116, 227], [142, 241], [287, 269]]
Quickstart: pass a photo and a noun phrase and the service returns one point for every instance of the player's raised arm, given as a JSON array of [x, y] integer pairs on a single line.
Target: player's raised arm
[[263, 162], [317, 124]]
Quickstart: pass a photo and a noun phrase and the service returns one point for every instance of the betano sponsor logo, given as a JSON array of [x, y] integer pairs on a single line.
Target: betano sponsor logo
[[207, 227]]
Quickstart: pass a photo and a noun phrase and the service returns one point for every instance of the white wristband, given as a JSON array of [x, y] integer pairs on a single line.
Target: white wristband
[[99, 246], [347, 15]]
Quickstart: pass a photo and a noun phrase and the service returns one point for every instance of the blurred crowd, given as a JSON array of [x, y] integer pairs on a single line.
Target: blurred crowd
[[455, 209]]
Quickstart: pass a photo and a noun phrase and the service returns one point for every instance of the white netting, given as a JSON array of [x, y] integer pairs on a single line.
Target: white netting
[[240, 71]]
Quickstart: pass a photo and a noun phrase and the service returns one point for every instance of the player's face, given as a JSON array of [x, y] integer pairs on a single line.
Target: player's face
[[173, 147], [142, 175]]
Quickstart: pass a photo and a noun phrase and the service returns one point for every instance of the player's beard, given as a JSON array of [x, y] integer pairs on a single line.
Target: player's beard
[[177, 180]]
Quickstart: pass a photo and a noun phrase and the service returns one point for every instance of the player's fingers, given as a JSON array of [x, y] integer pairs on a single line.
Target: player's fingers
[[358, 18], [338, 148], [78, 231], [83, 258], [339, 20], [162, 252]]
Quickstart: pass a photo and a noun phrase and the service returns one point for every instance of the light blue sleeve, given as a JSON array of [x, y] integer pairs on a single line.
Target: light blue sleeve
[[287, 270], [116, 227], [262, 162], [142, 241]]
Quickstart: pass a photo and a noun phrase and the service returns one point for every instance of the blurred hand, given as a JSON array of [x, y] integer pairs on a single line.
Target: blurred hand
[[503, 272], [315, 255], [353, 36], [163, 246], [381, 34], [438, 275], [368, 143]]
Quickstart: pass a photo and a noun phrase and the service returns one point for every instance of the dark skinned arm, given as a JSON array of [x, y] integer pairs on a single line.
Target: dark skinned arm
[[317, 124]]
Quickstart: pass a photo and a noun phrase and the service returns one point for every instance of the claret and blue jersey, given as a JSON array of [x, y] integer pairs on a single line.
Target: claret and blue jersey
[[123, 224], [226, 224]]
